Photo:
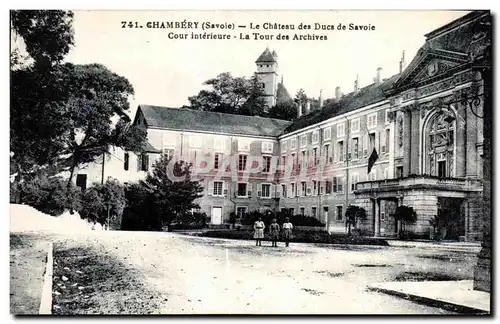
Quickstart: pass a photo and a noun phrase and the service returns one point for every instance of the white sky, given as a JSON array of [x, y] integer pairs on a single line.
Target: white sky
[[165, 72]]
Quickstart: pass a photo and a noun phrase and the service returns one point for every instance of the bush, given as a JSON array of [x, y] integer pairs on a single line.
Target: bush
[[302, 237], [190, 220], [296, 220], [50, 195], [99, 201]]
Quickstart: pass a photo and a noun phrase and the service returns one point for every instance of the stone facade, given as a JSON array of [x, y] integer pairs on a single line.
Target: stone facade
[[427, 142]]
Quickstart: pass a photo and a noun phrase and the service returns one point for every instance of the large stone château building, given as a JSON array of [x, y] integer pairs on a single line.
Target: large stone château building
[[428, 143]]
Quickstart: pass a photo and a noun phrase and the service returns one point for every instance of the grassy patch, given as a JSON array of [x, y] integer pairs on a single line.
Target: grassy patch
[[300, 237], [91, 282]]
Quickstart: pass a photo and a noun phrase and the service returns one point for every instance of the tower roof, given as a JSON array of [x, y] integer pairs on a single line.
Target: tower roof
[[266, 56]]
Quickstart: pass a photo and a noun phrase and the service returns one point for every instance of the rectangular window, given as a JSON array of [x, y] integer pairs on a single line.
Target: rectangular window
[[267, 164], [266, 190], [327, 154], [355, 147], [217, 160], [293, 189], [340, 130], [304, 188], [293, 143], [399, 171], [328, 187], [81, 181], [283, 191], [327, 134], [303, 140], [240, 212], [315, 137], [371, 143], [304, 159], [442, 169], [354, 125], [218, 188], [372, 120], [283, 160], [302, 211], [340, 184], [339, 213], [267, 147], [313, 211], [385, 148], [126, 159], [169, 153], [144, 162], [242, 189], [315, 156], [242, 162], [340, 146], [292, 211], [315, 187], [387, 121]]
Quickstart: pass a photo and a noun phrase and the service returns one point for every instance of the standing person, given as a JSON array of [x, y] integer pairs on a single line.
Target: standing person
[[287, 231], [274, 231], [258, 235]]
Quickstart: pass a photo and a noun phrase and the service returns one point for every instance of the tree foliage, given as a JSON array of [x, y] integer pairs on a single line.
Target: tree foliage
[[301, 97], [63, 115], [160, 199], [102, 200], [49, 194], [406, 215], [233, 95], [284, 110], [47, 34], [353, 215]]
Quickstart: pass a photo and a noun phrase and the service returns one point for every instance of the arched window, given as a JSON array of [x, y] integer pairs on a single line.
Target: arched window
[[440, 145]]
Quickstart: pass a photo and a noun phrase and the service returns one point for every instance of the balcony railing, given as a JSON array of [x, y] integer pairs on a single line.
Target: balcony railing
[[420, 181]]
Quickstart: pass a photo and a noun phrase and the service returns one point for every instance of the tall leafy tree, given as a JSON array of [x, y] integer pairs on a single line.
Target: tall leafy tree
[[172, 197], [284, 110], [301, 97], [228, 94]]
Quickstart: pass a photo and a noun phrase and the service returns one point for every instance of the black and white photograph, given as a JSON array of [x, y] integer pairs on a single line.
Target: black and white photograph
[[251, 162]]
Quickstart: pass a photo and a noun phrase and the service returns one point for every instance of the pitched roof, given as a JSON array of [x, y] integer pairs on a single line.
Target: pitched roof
[[207, 121], [282, 94], [266, 56], [352, 101]]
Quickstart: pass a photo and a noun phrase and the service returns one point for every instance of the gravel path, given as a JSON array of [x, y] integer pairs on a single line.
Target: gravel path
[[166, 273]]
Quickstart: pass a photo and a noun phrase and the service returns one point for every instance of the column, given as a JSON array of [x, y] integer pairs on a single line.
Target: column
[[377, 217], [461, 136], [406, 143], [470, 142], [415, 141]]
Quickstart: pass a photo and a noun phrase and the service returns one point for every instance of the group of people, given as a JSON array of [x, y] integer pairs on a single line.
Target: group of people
[[274, 231]]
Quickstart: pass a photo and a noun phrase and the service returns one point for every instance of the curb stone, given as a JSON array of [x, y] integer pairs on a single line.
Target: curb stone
[[46, 300], [449, 306]]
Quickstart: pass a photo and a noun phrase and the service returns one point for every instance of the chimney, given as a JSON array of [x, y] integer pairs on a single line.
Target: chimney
[[299, 111], [402, 63], [308, 107], [356, 84], [378, 78], [321, 98], [337, 93]]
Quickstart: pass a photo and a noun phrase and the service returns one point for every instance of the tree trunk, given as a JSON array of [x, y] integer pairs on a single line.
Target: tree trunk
[[72, 171]]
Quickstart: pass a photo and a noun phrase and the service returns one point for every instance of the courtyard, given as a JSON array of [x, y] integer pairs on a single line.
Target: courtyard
[[170, 273]]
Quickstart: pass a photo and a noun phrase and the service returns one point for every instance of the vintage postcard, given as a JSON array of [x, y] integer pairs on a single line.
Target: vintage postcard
[[250, 162]]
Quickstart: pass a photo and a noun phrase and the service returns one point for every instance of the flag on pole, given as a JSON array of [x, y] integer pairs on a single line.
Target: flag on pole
[[372, 159]]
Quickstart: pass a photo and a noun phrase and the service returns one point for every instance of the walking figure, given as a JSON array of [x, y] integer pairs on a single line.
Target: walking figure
[[287, 231], [274, 231], [258, 235]]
